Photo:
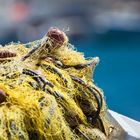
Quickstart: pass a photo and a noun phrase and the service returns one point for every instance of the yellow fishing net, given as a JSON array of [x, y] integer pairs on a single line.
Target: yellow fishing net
[[50, 94]]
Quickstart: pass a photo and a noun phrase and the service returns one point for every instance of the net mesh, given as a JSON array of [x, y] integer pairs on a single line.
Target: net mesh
[[51, 98]]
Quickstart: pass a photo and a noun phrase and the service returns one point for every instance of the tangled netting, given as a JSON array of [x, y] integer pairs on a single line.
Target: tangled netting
[[47, 92]]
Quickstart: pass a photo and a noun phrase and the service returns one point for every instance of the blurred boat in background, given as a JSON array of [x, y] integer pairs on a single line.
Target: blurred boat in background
[[27, 20]]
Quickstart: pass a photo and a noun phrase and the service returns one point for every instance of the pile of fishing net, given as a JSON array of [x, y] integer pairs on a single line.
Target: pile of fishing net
[[47, 92]]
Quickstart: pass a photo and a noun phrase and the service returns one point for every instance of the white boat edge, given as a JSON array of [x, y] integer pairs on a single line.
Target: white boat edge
[[130, 126]]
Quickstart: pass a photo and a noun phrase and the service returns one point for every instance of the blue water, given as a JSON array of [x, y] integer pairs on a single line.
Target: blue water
[[118, 72]]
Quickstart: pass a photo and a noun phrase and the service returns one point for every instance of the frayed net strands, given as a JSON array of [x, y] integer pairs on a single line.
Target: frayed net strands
[[47, 93]]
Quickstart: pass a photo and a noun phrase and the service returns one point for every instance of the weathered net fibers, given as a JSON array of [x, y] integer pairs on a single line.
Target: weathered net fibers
[[47, 92]]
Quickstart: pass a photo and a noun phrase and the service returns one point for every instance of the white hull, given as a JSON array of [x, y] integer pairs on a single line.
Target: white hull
[[131, 127]]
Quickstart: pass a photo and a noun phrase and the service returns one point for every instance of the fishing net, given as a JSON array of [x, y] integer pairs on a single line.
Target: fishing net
[[47, 92]]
